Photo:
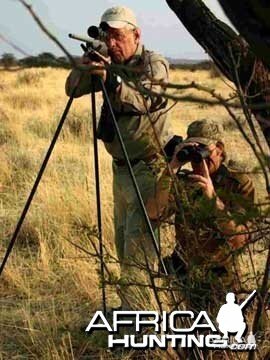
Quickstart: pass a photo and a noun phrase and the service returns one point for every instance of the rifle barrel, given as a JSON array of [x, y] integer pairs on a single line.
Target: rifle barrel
[[80, 38], [91, 43]]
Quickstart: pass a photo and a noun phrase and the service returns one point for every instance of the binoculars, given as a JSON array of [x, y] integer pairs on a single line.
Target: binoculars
[[193, 153]]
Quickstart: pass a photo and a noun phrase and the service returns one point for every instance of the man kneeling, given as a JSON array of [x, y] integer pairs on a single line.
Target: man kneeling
[[210, 205]]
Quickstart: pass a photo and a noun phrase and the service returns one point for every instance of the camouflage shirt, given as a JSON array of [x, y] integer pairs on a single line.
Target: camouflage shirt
[[141, 117], [199, 238]]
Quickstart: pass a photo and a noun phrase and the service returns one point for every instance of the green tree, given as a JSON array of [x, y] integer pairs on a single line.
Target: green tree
[[8, 60]]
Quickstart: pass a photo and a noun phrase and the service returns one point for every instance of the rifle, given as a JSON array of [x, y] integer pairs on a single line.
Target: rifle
[[96, 49]]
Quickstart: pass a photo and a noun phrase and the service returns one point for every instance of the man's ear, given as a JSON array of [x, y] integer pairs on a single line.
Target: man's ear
[[220, 146], [221, 149], [137, 34]]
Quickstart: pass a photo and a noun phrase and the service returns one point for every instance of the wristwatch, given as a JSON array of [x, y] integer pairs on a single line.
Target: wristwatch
[[112, 81]]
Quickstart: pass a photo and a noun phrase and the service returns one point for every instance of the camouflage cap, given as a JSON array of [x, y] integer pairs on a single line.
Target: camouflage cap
[[118, 17], [205, 132]]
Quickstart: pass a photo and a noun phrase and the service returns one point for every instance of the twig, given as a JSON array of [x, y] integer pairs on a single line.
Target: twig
[[13, 45], [47, 32]]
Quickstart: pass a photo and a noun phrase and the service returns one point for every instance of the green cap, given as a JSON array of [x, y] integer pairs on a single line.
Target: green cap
[[205, 132], [118, 17]]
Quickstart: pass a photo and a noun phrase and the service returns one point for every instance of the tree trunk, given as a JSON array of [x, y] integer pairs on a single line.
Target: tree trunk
[[227, 49], [252, 19]]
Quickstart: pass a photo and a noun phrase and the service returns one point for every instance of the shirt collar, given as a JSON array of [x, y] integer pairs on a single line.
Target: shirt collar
[[137, 56], [220, 174]]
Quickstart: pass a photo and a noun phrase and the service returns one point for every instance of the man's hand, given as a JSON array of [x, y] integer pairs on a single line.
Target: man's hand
[[204, 181], [175, 164], [99, 71]]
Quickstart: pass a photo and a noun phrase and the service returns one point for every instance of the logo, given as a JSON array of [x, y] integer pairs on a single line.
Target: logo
[[230, 317], [178, 329]]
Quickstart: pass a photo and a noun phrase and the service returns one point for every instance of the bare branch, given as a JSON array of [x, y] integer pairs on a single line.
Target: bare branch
[[47, 32], [13, 45]]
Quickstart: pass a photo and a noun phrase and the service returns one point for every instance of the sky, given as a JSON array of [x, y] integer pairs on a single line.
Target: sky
[[161, 29]]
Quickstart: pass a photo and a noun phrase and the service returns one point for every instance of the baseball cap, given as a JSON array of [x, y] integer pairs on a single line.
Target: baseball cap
[[205, 132], [118, 17]]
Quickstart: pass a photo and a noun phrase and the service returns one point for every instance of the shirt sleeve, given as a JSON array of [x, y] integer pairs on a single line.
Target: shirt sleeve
[[163, 203], [239, 202], [246, 188], [143, 96], [85, 84]]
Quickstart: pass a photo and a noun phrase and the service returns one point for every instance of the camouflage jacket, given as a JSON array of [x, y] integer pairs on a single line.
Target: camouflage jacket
[[141, 118], [199, 238]]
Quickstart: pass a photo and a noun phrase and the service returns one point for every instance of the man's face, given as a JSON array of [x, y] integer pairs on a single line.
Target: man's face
[[122, 43], [213, 161]]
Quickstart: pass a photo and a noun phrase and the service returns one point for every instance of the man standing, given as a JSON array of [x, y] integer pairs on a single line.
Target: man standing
[[141, 118]]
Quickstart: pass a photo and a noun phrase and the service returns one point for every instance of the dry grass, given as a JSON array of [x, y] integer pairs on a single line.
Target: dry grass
[[50, 288]]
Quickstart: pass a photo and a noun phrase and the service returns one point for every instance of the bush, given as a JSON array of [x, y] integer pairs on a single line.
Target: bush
[[45, 60], [24, 100], [78, 125], [6, 135], [8, 60], [214, 71], [43, 130], [29, 77]]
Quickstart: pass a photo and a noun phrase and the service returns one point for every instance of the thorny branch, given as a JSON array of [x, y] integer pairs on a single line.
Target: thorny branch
[[217, 100], [221, 101]]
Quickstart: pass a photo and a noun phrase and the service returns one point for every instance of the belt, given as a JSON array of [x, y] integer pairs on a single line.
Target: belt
[[133, 162]]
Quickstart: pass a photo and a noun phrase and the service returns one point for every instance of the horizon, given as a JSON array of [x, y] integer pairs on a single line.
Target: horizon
[[161, 20]]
